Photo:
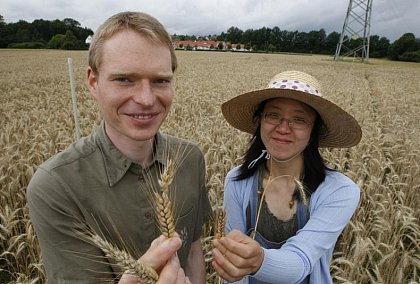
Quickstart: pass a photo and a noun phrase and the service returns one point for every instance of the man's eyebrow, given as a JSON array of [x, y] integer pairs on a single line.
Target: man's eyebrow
[[129, 73], [121, 73], [165, 76]]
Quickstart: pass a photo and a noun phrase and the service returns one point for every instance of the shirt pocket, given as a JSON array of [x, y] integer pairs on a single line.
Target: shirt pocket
[[185, 223]]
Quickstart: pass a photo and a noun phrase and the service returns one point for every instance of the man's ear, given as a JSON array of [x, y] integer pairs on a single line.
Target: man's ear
[[92, 81]]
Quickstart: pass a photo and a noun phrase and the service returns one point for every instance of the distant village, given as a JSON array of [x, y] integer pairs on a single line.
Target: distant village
[[208, 45], [201, 44]]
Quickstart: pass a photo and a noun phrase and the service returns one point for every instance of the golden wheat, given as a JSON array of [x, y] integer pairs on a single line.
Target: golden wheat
[[125, 261], [145, 273], [220, 223], [164, 214], [380, 245]]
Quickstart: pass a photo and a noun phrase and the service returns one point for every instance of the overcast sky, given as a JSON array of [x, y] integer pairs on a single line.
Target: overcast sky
[[390, 18]]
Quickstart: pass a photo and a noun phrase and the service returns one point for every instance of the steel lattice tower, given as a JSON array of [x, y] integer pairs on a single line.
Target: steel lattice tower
[[355, 36]]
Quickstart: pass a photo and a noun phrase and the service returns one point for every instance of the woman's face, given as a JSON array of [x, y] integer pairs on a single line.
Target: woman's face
[[286, 127]]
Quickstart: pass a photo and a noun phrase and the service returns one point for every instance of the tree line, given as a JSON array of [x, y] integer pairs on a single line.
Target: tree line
[[406, 48], [68, 34], [56, 34]]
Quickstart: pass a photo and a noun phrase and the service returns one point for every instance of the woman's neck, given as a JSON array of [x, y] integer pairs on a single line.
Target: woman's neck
[[293, 167]]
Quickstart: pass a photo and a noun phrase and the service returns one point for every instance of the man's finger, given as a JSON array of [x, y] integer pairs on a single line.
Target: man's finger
[[165, 250], [171, 269]]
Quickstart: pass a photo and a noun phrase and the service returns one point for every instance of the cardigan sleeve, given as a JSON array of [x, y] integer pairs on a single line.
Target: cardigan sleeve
[[235, 202]]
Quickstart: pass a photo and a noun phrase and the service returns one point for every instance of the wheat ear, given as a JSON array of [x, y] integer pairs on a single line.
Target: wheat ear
[[301, 190], [124, 260], [220, 223], [164, 208]]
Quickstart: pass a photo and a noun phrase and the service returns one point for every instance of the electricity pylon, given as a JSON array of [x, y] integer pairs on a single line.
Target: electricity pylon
[[355, 37]]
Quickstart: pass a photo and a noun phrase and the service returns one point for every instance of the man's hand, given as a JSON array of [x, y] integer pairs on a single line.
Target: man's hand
[[236, 256], [162, 257]]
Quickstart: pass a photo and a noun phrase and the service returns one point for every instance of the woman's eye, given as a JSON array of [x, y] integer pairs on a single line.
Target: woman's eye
[[299, 120]]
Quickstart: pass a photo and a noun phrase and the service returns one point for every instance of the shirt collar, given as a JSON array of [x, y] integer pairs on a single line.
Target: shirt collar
[[116, 164]]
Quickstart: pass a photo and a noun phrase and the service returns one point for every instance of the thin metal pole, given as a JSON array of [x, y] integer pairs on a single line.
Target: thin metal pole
[[73, 98]]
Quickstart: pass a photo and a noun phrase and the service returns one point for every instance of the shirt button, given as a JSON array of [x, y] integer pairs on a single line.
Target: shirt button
[[140, 178], [148, 215]]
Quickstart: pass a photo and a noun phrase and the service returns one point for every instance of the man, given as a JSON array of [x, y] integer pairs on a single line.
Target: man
[[100, 180]]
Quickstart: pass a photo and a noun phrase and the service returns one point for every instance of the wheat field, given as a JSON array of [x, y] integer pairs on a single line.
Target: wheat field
[[380, 245]]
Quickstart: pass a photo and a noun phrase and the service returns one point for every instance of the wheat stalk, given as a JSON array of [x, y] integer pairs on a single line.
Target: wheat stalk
[[300, 189], [145, 273]]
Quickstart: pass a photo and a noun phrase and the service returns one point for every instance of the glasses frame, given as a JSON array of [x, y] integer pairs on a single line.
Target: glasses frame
[[290, 123]]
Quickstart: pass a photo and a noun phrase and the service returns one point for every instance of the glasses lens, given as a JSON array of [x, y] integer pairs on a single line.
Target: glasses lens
[[294, 123], [272, 118]]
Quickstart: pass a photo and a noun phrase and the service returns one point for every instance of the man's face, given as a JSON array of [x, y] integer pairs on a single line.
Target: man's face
[[133, 86]]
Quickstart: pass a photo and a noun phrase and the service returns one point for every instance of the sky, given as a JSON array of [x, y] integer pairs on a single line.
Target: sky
[[389, 18]]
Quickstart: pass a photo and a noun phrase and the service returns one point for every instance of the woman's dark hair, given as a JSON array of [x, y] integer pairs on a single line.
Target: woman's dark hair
[[314, 165]]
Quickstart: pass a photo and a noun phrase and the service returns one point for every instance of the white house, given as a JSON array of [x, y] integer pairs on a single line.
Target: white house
[[88, 40]]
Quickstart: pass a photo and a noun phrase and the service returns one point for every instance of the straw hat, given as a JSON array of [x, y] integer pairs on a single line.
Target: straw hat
[[342, 130]]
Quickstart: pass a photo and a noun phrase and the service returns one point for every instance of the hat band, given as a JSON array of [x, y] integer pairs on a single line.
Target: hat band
[[294, 85]]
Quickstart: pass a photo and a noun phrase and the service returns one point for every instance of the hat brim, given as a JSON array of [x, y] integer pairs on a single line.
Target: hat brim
[[342, 130]]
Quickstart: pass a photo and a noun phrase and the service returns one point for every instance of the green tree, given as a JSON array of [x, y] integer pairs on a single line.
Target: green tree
[[3, 33], [301, 42], [56, 41], [331, 42], [249, 37], [71, 23], [316, 41], [220, 46], [262, 36], [234, 35], [378, 47], [271, 48], [287, 41], [406, 43], [275, 38]]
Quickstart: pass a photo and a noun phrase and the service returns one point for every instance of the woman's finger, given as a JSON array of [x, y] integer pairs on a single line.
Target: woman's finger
[[224, 266]]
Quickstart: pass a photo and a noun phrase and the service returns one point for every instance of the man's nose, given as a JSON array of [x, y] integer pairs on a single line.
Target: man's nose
[[144, 94]]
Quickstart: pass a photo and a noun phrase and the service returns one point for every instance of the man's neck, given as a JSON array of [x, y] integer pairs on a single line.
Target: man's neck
[[141, 152]]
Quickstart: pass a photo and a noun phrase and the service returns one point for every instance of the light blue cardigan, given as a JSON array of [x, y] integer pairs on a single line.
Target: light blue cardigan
[[310, 250]]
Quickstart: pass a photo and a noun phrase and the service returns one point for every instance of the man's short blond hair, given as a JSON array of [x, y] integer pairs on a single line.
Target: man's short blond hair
[[142, 23]]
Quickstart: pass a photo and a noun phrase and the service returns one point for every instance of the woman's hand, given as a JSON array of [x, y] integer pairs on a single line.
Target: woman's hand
[[162, 257], [236, 256]]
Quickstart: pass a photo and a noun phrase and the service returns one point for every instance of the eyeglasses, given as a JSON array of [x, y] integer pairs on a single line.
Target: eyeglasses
[[294, 123]]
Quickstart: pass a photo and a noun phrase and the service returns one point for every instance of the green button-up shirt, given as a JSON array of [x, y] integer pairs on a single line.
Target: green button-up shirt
[[93, 183]]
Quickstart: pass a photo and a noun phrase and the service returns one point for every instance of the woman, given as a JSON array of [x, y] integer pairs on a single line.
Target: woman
[[285, 209]]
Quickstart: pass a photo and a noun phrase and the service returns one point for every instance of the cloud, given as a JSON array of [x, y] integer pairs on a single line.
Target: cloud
[[390, 18]]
